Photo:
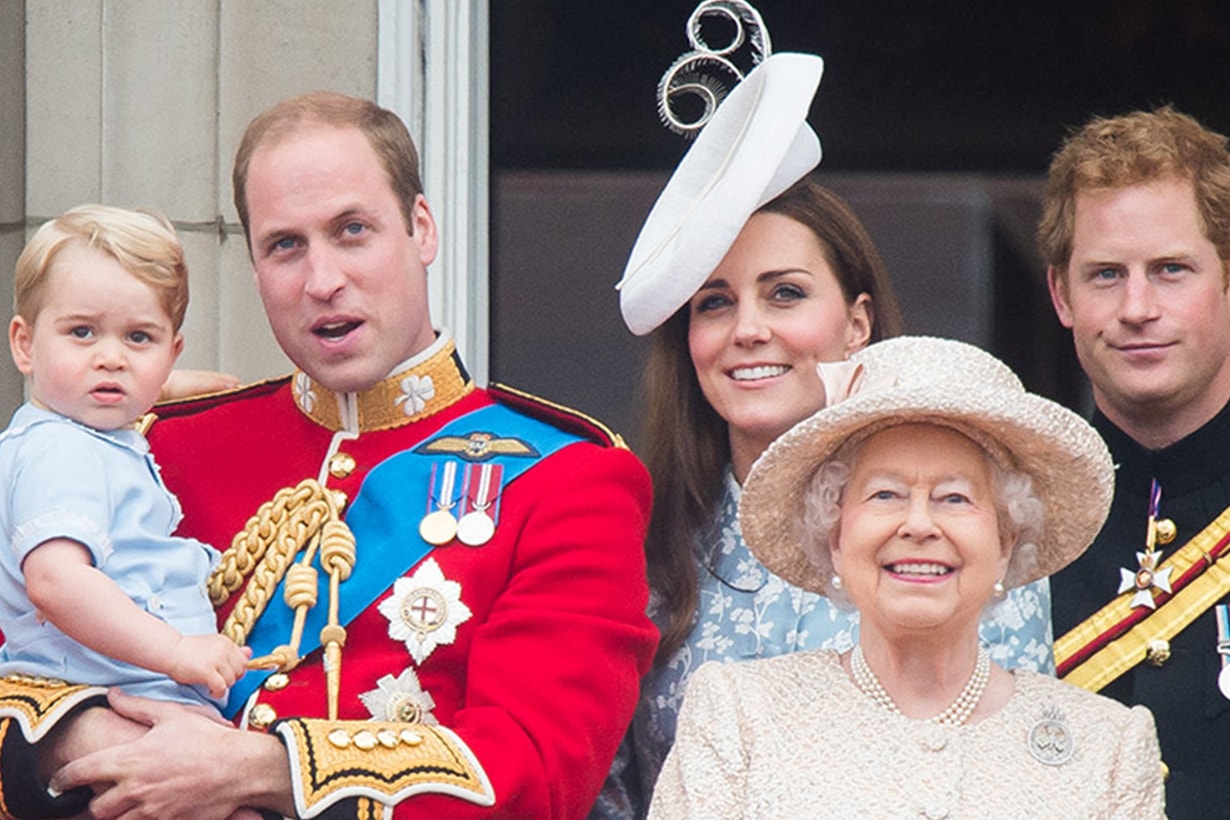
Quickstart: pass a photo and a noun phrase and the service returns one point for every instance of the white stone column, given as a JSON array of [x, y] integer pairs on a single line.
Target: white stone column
[[433, 71]]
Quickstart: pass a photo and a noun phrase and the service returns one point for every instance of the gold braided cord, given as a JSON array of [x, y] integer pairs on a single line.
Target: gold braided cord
[[337, 548], [249, 544], [261, 553], [337, 556], [297, 522], [1176, 614]]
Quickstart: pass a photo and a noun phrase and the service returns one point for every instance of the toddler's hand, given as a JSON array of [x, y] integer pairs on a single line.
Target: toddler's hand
[[212, 661]]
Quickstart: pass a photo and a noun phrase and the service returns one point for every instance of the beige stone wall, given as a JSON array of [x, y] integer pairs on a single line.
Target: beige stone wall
[[140, 103], [12, 178]]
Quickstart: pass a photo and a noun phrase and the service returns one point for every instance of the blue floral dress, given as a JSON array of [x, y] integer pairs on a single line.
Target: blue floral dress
[[745, 612]]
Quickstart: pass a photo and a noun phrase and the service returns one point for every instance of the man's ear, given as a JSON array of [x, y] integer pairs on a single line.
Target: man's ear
[[21, 339], [424, 230], [1057, 284]]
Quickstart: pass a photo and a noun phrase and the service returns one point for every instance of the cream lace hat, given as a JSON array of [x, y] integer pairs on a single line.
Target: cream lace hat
[[940, 381], [756, 145]]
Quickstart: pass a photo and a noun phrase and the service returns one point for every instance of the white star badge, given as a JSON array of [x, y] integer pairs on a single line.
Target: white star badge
[[1145, 579], [400, 699], [424, 610]]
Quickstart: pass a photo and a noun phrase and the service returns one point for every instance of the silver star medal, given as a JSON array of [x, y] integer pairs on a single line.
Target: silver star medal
[[400, 699], [1146, 579], [424, 610]]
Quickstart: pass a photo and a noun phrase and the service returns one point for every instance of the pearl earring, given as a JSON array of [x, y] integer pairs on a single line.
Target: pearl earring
[[998, 589], [836, 582]]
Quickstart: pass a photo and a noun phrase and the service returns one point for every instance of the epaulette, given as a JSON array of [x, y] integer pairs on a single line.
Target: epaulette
[[567, 419], [179, 408]]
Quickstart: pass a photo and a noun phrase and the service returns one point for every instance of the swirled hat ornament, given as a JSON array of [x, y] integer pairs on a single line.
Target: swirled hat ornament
[[696, 73], [755, 143]]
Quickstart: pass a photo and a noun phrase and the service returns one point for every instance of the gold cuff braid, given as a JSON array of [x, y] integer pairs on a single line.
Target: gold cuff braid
[[387, 762], [38, 704]]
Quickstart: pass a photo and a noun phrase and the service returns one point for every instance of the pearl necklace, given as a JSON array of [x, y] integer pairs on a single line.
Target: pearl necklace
[[955, 715]]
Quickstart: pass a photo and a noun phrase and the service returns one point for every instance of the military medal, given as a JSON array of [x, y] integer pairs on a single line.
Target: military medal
[[439, 526], [1223, 648], [475, 528], [482, 490], [400, 699], [424, 610], [1147, 577]]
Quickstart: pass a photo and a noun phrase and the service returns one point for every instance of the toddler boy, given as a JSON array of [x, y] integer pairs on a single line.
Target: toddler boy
[[94, 586]]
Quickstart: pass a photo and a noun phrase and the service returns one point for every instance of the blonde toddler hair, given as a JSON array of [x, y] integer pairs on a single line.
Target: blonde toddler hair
[[143, 243]]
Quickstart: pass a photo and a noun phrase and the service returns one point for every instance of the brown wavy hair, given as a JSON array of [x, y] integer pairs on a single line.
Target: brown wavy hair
[[1118, 152]]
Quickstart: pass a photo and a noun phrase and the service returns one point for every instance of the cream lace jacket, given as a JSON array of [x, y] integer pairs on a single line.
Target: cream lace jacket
[[792, 737]]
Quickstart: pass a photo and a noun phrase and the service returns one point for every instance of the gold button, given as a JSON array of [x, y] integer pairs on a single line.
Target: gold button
[[276, 682], [261, 716], [339, 499], [1157, 652], [341, 465], [1165, 530]]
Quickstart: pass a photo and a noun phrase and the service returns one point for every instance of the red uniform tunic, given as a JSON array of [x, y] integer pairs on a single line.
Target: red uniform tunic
[[541, 679]]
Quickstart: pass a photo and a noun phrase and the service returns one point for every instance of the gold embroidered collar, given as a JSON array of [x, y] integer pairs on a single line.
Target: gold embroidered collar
[[425, 385]]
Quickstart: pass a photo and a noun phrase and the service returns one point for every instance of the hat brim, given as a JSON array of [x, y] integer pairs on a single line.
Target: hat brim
[[1067, 460], [756, 145]]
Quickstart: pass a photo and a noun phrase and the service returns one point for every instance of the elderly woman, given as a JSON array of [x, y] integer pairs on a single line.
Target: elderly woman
[[936, 485]]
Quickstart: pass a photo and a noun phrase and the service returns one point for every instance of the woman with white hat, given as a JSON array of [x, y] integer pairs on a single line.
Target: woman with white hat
[[930, 484], [748, 277]]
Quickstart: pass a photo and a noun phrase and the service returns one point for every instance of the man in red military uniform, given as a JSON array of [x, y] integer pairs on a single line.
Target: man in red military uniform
[[470, 642]]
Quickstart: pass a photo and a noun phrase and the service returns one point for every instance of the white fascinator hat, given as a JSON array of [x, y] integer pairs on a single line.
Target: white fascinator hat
[[756, 145]]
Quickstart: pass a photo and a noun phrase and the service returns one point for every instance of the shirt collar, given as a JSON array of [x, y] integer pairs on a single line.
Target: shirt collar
[[1191, 462], [419, 387]]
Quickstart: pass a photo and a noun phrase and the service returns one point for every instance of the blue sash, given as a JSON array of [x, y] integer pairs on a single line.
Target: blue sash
[[384, 518]]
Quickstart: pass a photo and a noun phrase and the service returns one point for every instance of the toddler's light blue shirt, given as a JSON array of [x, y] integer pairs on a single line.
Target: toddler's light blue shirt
[[62, 479]]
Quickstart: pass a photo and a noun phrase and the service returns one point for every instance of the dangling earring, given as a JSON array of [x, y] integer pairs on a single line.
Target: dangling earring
[[998, 589], [836, 583]]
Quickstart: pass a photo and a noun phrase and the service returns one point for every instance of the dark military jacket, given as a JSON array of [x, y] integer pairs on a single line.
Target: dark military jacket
[[1193, 717]]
